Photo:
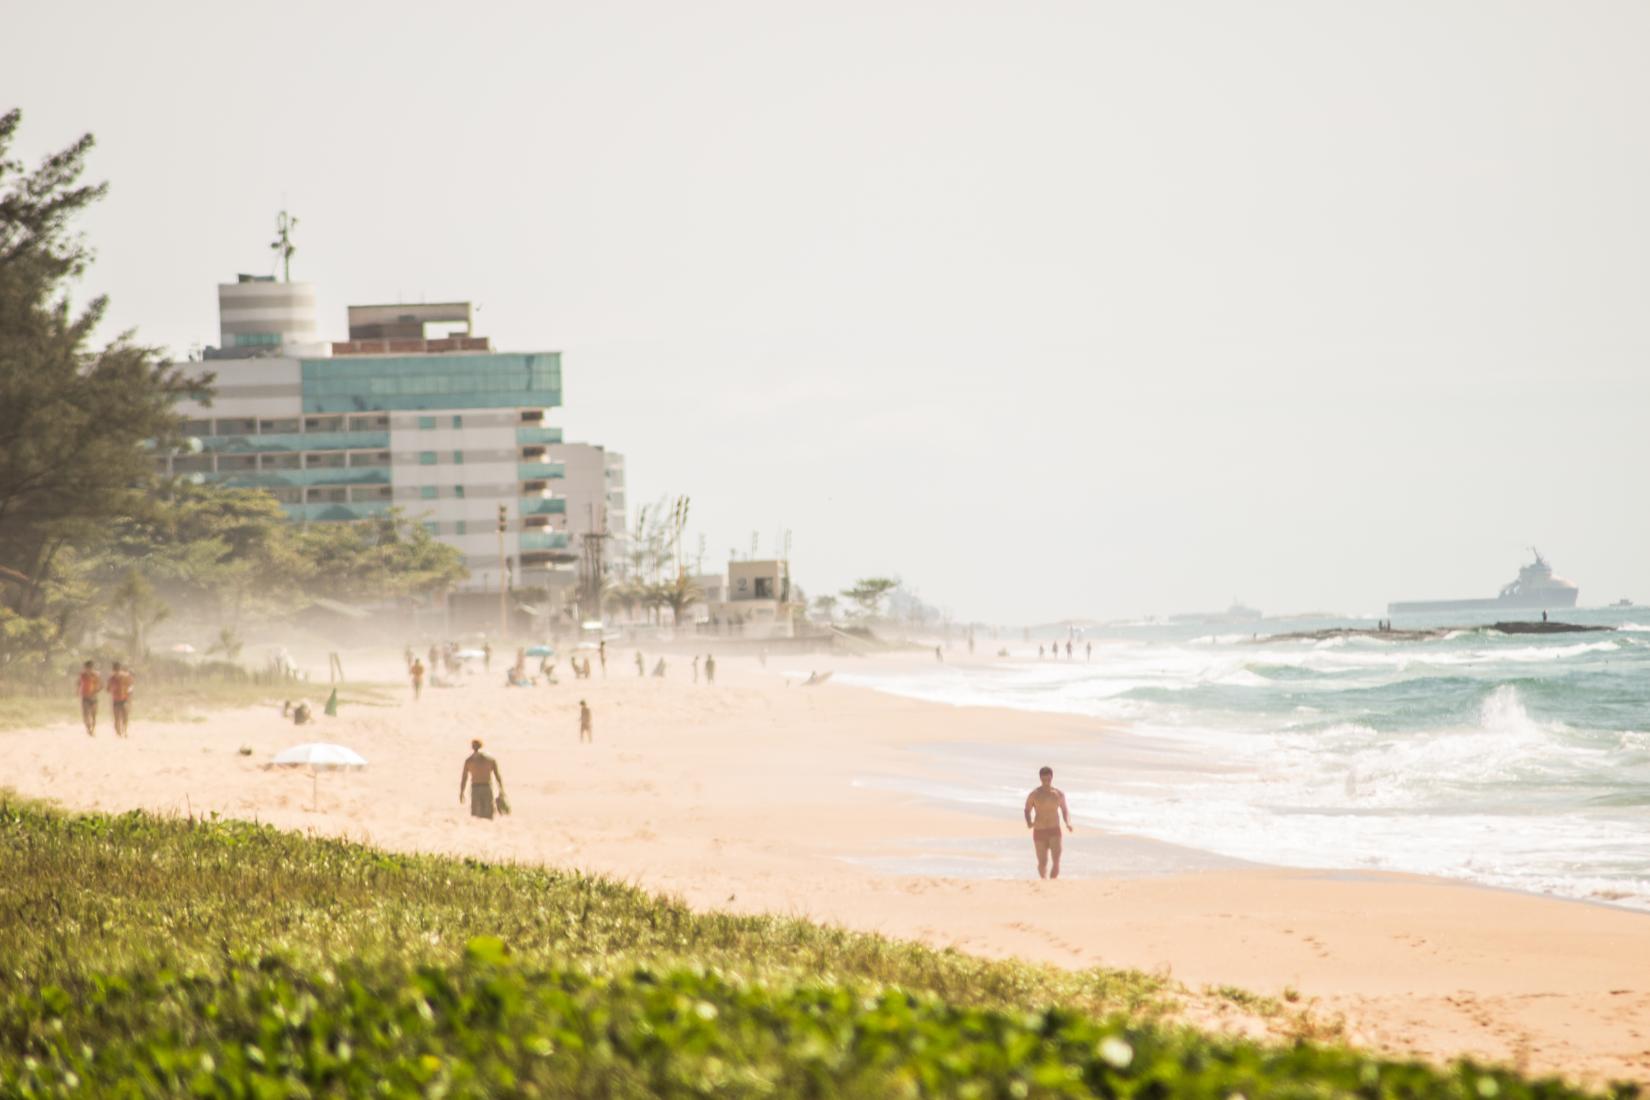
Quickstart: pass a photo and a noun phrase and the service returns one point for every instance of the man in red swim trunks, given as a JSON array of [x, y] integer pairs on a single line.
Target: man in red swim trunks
[[90, 684], [1045, 807]]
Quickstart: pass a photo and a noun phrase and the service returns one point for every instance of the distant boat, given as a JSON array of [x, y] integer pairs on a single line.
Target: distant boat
[[1623, 602], [1536, 589], [1237, 613]]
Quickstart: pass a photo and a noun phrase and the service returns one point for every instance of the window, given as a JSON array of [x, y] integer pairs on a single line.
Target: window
[[764, 588], [237, 426], [371, 492], [458, 528], [458, 458], [287, 494], [458, 421], [257, 339], [323, 423], [280, 426], [427, 492], [323, 460], [197, 427], [426, 458], [376, 422], [327, 496], [280, 461], [432, 527], [228, 463], [458, 491], [426, 422], [369, 458]]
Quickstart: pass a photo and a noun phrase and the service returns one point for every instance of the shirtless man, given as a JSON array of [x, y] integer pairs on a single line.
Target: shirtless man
[[480, 770], [585, 733], [1045, 806], [417, 674], [90, 684], [120, 697]]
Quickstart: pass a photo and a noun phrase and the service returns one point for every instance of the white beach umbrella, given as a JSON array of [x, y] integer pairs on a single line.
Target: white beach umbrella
[[316, 755]]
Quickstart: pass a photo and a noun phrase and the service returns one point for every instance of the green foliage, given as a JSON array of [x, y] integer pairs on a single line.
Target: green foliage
[[384, 557], [868, 593], [73, 418], [149, 957]]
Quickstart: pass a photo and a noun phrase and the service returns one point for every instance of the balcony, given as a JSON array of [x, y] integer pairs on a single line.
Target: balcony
[[544, 506], [543, 540], [539, 471], [537, 436]]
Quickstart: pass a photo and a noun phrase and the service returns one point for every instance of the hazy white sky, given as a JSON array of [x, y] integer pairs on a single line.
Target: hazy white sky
[[1051, 308]]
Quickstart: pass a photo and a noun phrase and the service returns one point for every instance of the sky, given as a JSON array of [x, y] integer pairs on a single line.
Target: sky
[[1050, 309]]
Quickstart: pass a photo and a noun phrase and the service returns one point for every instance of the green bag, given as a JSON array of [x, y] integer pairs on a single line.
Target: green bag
[[501, 805]]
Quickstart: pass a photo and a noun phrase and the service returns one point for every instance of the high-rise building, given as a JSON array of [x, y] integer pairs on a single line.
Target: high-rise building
[[442, 427], [593, 486]]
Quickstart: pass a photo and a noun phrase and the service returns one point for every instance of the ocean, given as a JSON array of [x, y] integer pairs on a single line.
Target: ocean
[[1518, 761]]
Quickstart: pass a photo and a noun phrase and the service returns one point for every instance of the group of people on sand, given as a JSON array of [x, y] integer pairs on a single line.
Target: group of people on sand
[[659, 667], [1053, 650], [119, 685]]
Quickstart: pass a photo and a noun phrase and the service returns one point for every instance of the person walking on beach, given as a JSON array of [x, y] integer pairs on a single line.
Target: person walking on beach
[[480, 770], [90, 684], [417, 673], [710, 668], [659, 669], [585, 731], [1088, 651], [120, 697], [601, 655], [696, 668], [486, 656], [641, 665], [1045, 806]]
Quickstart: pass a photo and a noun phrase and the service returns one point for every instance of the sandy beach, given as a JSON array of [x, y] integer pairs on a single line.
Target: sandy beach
[[762, 795]]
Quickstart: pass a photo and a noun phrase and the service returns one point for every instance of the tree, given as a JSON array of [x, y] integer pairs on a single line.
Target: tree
[[73, 418], [826, 606], [385, 557], [679, 595], [868, 592]]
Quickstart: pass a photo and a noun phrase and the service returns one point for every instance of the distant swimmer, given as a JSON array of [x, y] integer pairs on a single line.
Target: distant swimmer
[[1088, 654], [90, 684], [1039, 653], [480, 771], [417, 674], [1045, 807], [120, 697], [1068, 649], [939, 655], [585, 731]]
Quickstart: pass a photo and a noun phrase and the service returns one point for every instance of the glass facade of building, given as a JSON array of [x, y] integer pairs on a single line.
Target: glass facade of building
[[401, 383]]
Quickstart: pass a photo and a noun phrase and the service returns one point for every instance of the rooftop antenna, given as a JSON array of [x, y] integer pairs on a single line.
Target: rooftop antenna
[[282, 245]]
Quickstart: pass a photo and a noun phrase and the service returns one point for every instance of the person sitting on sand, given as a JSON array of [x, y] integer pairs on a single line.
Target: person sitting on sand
[[90, 684], [301, 713], [480, 770], [1045, 806], [586, 733]]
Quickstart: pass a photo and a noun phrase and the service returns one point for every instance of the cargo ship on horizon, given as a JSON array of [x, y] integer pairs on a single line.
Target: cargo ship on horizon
[[1536, 589]]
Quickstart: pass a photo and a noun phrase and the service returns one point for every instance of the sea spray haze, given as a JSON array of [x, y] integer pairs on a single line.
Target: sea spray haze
[[1510, 760]]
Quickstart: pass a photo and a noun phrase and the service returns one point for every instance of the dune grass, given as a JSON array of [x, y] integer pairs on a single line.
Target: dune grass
[[144, 956]]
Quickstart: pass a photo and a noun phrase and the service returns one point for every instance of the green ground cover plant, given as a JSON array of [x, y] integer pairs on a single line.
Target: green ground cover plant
[[142, 956]]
